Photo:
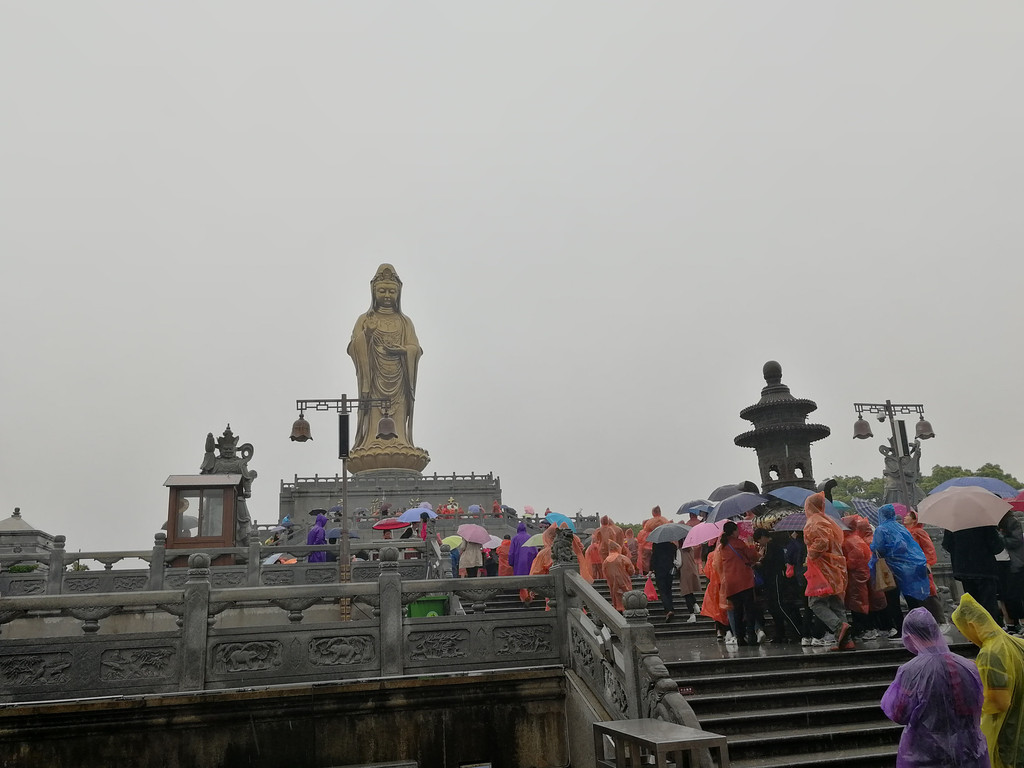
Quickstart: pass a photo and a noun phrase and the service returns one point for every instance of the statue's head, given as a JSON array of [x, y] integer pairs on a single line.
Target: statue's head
[[386, 289], [227, 443]]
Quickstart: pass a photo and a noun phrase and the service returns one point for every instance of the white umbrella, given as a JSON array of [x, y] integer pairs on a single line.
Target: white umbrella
[[960, 507]]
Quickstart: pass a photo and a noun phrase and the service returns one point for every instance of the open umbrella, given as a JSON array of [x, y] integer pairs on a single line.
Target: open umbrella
[[702, 533], [842, 506], [736, 505], [452, 541], [335, 533], [867, 509], [960, 507], [1018, 502], [725, 491], [389, 524], [668, 532], [413, 515], [557, 518], [993, 484], [537, 540], [493, 543], [795, 522], [797, 496], [696, 506], [474, 533]]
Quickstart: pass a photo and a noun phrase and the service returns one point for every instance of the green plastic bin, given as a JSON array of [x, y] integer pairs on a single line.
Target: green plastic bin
[[432, 605]]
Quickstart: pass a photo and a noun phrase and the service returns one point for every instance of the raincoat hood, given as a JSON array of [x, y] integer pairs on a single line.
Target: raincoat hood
[[321, 520], [814, 504], [521, 528], [886, 512], [974, 622], [921, 635]]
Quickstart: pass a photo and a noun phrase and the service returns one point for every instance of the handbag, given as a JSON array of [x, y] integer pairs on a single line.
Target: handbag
[[884, 580], [649, 591], [758, 578]]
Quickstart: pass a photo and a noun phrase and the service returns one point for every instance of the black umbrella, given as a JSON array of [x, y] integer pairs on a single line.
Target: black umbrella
[[668, 532], [695, 505], [736, 505], [725, 491]]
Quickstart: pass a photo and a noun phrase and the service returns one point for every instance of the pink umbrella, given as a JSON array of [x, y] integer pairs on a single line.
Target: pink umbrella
[[702, 533], [474, 533], [390, 524]]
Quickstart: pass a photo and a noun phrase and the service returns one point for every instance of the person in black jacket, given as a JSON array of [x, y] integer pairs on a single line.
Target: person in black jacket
[[772, 568], [972, 554]]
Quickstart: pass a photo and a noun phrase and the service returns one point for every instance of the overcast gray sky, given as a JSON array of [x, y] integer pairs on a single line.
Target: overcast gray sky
[[607, 217]]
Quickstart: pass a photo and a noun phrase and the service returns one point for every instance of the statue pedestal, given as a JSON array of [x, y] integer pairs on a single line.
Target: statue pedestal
[[382, 456]]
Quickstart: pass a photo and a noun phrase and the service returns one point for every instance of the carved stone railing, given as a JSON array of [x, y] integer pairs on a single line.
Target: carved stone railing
[[164, 567], [199, 637], [616, 656]]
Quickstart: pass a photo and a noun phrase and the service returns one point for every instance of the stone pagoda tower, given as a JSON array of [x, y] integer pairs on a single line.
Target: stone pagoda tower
[[781, 435]]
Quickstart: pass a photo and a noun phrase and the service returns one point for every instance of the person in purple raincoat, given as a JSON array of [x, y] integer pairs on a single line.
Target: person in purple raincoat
[[515, 552], [317, 535], [938, 696]]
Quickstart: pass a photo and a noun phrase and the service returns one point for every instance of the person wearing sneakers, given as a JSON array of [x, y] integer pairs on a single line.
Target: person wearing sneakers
[[826, 571], [738, 560], [689, 579], [905, 559]]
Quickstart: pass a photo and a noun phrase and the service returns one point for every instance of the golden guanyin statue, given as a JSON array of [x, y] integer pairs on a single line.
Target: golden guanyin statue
[[386, 354]]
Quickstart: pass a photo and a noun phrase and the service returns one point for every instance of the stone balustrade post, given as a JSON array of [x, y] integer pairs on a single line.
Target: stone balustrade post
[[158, 562], [446, 562], [392, 618], [195, 623], [254, 564], [55, 574], [639, 638], [559, 603]]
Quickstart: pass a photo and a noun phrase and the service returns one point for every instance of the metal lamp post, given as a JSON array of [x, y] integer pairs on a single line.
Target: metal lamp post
[[889, 410], [300, 433]]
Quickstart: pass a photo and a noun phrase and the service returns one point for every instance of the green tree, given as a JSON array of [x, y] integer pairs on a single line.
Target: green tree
[[854, 486], [849, 487]]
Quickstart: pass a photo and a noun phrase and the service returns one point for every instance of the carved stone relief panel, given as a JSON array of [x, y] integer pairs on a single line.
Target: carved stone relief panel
[[335, 651], [255, 656], [86, 584], [451, 644], [35, 669], [136, 663], [129, 583], [321, 575], [278, 578], [27, 587], [512, 641]]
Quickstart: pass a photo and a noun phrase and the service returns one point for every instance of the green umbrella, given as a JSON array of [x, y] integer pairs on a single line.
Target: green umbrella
[[452, 541], [537, 540]]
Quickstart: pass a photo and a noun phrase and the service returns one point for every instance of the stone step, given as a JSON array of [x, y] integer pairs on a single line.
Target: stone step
[[714, 703], [879, 756], [806, 713], [778, 680], [851, 738]]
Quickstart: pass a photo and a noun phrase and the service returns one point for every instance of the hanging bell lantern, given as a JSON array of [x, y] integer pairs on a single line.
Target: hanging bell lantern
[[300, 429], [386, 428], [924, 429], [861, 429]]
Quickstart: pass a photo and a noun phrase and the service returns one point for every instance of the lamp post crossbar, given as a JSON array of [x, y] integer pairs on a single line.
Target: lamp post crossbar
[[889, 408]]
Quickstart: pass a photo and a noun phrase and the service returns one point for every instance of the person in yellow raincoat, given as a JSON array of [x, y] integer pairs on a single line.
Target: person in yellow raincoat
[[1001, 666], [826, 570]]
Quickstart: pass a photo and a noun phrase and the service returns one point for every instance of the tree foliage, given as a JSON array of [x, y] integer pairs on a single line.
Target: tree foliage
[[854, 486]]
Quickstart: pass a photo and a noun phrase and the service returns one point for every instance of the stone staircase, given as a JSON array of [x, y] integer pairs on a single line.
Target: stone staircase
[[805, 709]]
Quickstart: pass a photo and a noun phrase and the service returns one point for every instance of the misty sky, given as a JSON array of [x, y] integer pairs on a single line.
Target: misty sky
[[607, 217]]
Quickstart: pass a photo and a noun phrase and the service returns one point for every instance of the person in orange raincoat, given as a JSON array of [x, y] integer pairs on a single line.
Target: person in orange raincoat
[[618, 570], [714, 606], [629, 547], [504, 566], [826, 570], [542, 563], [595, 561], [606, 534], [645, 548], [858, 600], [924, 541]]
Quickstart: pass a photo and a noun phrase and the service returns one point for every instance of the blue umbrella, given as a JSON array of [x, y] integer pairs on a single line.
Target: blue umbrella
[[797, 496], [413, 515], [993, 484], [696, 506], [736, 505], [557, 518]]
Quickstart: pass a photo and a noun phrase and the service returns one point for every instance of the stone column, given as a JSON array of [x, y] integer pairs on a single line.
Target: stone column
[[195, 623], [158, 562], [254, 564], [392, 618], [55, 576]]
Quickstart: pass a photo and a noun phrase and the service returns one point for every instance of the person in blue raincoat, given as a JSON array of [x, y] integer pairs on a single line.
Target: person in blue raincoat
[[905, 559], [938, 695]]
